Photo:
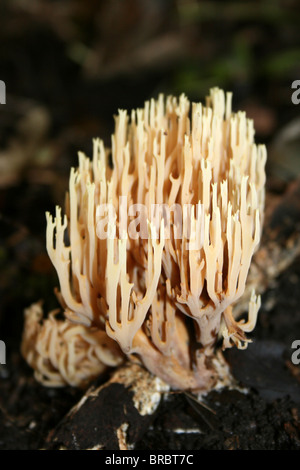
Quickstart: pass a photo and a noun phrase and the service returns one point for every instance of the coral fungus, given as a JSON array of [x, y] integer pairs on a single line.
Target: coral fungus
[[160, 244]]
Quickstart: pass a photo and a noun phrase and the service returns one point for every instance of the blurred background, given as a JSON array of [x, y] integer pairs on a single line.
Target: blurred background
[[69, 65]]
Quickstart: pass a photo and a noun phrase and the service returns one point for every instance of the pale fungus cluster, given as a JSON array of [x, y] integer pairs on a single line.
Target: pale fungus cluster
[[158, 249]]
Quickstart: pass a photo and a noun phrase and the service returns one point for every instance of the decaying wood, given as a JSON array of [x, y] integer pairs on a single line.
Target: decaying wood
[[112, 416]]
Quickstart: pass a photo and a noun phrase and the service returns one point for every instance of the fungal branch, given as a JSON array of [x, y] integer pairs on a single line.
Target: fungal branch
[[127, 311], [160, 244]]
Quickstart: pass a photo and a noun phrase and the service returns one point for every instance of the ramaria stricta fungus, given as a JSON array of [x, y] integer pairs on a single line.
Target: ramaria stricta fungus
[[159, 247]]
